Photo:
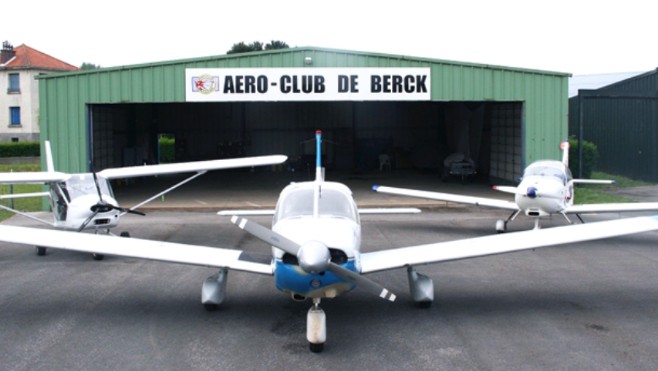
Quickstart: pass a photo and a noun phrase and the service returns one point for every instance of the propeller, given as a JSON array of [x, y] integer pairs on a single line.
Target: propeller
[[313, 257], [102, 207]]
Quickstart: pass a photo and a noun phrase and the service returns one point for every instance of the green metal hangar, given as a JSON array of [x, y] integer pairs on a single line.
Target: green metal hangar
[[417, 111]]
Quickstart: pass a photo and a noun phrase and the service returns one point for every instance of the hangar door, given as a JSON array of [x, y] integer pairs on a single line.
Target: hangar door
[[417, 135]]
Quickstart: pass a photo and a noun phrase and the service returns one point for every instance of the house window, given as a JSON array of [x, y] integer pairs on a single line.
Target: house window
[[14, 83], [15, 116]]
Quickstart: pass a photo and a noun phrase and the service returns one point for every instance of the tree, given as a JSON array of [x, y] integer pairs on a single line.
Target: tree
[[89, 66], [256, 46]]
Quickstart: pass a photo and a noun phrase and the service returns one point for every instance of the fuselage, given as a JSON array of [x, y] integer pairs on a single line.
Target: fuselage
[[76, 199], [333, 221], [546, 188]]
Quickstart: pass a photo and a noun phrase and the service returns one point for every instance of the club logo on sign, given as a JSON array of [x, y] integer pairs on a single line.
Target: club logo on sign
[[205, 84]]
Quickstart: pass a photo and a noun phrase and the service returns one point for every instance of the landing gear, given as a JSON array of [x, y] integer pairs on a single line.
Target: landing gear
[[213, 291], [421, 287], [501, 226], [316, 327], [41, 251], [97, 256]]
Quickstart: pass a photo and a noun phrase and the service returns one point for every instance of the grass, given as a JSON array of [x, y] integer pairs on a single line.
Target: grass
[[21, 204], [598, 193]]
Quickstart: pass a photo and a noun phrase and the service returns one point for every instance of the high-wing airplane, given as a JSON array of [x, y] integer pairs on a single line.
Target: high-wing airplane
[[546, 188], [86, 202], [315, 242]]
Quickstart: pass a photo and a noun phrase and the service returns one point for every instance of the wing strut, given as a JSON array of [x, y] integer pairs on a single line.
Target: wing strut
[[167, 190]]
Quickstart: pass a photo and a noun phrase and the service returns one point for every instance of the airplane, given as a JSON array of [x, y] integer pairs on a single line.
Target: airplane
[[85, 201], [546, 188], [316, 250]]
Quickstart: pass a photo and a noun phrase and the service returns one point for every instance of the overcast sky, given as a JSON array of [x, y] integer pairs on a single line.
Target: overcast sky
[[579, 37]]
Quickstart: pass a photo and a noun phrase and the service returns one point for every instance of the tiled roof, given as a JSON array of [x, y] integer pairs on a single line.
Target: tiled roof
[[27, 57]]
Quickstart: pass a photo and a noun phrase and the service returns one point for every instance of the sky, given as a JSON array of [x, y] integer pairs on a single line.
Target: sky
[[576, 36]]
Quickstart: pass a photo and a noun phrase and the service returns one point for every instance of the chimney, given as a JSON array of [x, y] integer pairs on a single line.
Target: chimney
[[7, 52]]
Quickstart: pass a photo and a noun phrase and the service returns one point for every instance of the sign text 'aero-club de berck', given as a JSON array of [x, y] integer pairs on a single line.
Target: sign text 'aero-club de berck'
[[307, 84]]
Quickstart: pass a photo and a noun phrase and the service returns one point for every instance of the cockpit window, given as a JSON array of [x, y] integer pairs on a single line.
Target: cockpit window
[[300, 202], [542, 170], [83, 184]]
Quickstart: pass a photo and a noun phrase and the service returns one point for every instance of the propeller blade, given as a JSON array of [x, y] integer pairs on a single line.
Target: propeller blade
[[266, 235], [127, 211], [361, 281], [84, 224], [277, 240]]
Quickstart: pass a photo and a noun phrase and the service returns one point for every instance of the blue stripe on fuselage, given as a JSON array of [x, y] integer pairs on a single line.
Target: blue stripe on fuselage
[[292, 279]]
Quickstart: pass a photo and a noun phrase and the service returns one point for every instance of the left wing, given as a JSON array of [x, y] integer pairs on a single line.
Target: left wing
[[187, 167], [34, 177], [136, 248], [449, 197], [612, 208], [503, 243]]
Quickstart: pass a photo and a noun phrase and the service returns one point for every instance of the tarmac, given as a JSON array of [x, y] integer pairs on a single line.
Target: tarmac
[[241, 189]]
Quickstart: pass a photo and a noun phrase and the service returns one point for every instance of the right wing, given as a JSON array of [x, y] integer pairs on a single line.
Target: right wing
[[477, 201], [502, 243], [136, 248], [188, 167]]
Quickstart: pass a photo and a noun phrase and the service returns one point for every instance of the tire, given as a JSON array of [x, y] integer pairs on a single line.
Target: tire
[[211, 307], [316, 348], [97, 256], [41, 251]]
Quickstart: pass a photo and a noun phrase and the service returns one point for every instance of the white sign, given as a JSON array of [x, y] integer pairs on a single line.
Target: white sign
[[307, 84]]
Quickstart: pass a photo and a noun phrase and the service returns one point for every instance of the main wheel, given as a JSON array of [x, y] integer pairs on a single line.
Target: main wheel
[[97, 256], [41, 251]]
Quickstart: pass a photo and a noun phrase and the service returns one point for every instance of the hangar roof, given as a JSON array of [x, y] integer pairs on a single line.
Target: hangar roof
[[347, 58]]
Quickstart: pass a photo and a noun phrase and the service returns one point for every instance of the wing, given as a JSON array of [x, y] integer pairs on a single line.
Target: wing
[[265, 212], [187, 167], [612, 208], [35, 177], [389, 210], [136, 248], [478, 201], [246, 212], [503, 243]]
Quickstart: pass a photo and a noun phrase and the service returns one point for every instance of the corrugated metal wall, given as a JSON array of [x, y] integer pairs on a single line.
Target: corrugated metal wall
[[65, 97], [622, 120]]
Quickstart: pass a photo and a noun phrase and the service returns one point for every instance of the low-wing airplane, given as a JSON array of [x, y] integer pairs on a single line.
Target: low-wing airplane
[[315, 242], [85, 201], [546, 188]]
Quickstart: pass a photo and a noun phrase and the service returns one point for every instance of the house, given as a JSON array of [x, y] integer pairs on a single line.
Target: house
[[19, 90]]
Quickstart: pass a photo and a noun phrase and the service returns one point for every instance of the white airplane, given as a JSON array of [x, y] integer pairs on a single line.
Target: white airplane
[[316, 243], [86, 202], [546, 188]]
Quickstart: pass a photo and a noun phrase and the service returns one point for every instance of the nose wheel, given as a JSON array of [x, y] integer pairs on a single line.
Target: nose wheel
[[316, 327]]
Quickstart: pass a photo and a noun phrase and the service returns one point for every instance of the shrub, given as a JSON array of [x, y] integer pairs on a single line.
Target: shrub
[[167, 150], [590, 158], [20, 149]]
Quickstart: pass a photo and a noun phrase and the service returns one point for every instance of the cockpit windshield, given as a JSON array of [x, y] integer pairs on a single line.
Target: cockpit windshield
[[546, 170], [83, 184], [331, 203]]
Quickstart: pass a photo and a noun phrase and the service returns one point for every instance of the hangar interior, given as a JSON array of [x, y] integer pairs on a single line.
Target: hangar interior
[[414, 135]]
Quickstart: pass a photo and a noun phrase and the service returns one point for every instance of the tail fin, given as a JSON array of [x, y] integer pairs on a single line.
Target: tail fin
[[564, 146], [49, 157], [318, 156]]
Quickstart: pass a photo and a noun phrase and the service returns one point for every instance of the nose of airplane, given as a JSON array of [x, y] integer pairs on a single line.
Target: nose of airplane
[[532, 192]]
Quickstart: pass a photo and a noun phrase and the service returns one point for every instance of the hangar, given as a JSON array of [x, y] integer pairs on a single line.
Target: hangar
[[416, 110]]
